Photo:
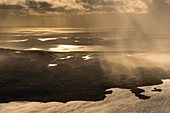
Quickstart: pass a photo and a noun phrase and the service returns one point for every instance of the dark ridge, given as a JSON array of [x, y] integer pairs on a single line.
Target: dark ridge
[[138, 91], [26, 76], [157, 90]]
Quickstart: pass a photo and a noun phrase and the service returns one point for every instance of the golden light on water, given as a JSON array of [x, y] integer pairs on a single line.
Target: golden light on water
[[80, 48], [34, 49], [51, 30], [18, 52], [46, 39], [52, 65], [67, 57], [66, 48], [87, 57]]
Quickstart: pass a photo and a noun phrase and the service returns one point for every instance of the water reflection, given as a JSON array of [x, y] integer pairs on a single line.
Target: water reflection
[[78, 48], [65, 58], [76, 41], [90, 39], [18, 52], [34, 49], [46, 39], [87, 57], [50, 30], [66, 48], [52, 65]]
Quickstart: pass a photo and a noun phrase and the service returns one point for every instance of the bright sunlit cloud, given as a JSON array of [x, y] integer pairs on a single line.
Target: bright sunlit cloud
[[132, 6]]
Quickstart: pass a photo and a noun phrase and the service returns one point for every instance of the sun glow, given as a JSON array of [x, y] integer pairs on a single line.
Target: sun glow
[[65, 48], [34, 49]]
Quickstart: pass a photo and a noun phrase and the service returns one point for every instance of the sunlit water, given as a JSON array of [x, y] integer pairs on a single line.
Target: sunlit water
[[82, 39]]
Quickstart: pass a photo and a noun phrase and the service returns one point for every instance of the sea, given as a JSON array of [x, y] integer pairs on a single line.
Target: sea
[[103, 39]]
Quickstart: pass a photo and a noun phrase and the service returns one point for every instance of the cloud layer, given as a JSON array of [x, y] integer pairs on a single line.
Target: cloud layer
[[53, 7]]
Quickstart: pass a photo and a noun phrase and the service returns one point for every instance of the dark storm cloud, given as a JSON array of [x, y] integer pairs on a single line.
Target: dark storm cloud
[[34, 4], [4, 6], [99, 2]]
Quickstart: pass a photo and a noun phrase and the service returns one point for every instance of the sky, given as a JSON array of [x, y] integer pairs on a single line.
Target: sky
[[85, 13]]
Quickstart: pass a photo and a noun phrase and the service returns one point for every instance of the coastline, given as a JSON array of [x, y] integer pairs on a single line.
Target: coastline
[[28, 76]]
